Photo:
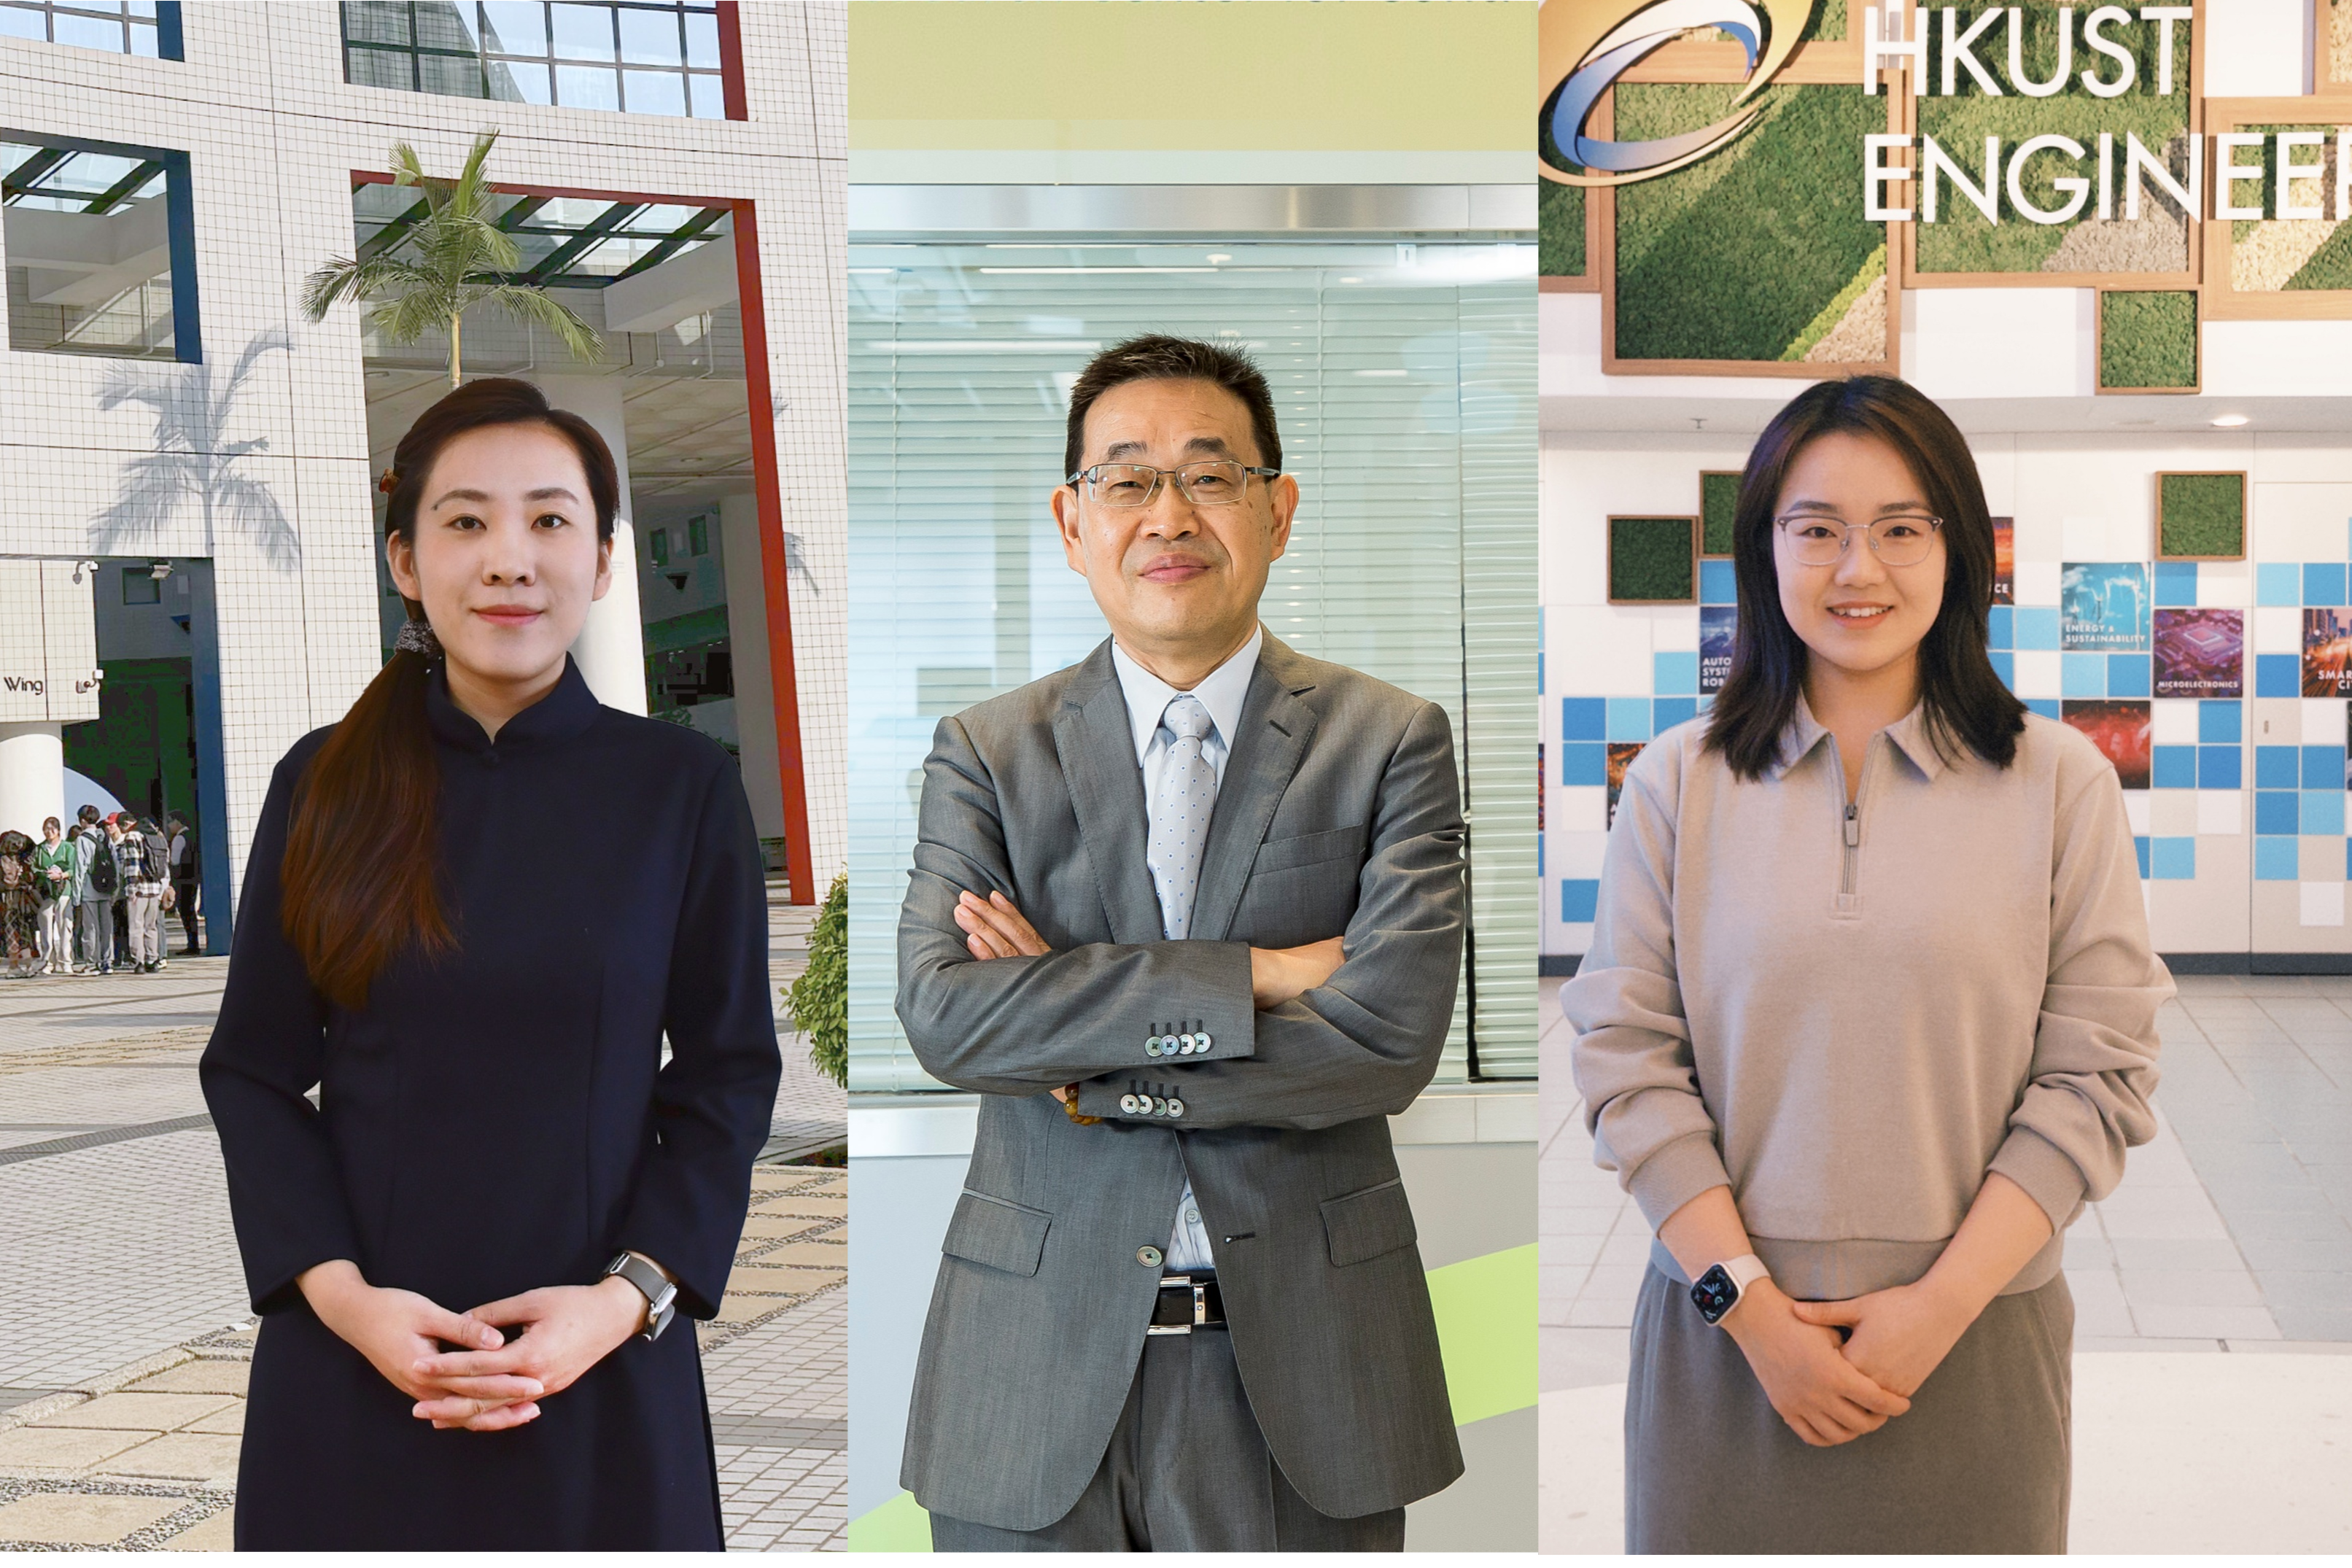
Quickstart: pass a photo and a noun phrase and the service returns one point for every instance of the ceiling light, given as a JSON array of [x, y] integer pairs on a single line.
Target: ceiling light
[[2229, 421]]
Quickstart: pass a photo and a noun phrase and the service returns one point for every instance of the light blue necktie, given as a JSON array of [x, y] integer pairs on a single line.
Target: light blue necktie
[[1179, 836]]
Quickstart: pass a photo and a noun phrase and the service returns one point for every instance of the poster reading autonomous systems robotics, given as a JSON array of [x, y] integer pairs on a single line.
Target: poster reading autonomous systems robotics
[[1945, 514]]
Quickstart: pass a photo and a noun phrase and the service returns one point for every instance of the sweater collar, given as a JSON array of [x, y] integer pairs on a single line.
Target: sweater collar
[[563, 713], [1908, 734]]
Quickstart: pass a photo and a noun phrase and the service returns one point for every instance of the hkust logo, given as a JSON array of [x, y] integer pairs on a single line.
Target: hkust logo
[[2097, 52]]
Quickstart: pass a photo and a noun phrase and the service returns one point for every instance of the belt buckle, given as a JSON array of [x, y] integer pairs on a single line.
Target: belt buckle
[[1200, 1290]]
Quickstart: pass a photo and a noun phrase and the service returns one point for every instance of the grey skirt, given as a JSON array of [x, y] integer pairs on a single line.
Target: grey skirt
[[1982, 1462]]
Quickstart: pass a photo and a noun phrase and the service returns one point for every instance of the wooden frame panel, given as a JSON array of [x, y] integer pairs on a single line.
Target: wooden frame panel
[[2099, 355], [1609, 579], [2245, 516], [2223, 301]]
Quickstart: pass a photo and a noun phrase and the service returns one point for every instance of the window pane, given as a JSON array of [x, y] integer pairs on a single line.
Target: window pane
[[376, 22], [583, 32], [519, 82], [709, 97], [584, 86], [516, 26], [89, 33], [380, 68], [142, 39], [22, 22], [454, 76], [649, 38], [438, 28], [656, 92], [144, 8], [702, 39]]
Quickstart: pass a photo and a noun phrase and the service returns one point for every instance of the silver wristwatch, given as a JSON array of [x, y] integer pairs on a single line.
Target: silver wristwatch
[[660, 1291]]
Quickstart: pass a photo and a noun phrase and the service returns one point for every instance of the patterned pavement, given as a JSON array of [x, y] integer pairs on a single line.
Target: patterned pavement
[[121, 1381]]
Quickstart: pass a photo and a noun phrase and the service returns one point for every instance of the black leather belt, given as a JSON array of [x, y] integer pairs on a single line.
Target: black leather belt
[[1187, 1302]]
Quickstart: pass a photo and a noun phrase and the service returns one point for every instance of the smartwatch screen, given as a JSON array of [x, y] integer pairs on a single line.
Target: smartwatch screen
[[1714, 1294]]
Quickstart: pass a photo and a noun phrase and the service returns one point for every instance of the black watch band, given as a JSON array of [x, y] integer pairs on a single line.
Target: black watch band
[[660, 1292]]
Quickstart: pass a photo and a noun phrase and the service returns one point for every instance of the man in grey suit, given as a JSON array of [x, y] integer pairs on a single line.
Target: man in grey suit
[[1189, 917]]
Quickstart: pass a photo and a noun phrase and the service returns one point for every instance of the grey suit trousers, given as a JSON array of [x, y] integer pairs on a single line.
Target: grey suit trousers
[[1187, 1470]]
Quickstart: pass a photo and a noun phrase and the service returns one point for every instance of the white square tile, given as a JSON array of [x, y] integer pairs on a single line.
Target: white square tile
[[2039, 672], [1575, 854], [2085, 538], [2221, 811], [2135, 809], [2225, 584], [2174, 721], [2274, 721], [1673, 629], [1598, 651], [2172, 812], [2323, 903], [2323, 721], [1585, 809], [2037, 581], [2278, 629]]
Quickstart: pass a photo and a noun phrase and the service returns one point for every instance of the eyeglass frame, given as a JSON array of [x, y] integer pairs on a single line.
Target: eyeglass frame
[[1845, 533], [1077, 481]]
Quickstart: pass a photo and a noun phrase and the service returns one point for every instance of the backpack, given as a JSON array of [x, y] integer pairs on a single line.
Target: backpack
[[103, 875], [154, 860]]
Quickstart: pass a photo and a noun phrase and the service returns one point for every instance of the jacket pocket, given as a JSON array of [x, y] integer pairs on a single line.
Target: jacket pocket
[[996, 1234], [1310, 849], [1360, 1225]]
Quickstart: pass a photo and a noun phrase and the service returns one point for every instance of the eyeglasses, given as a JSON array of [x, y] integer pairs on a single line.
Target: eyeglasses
[[1819, 540], [1219, 483]]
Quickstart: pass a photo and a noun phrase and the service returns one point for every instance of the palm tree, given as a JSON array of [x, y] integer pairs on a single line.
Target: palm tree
[[461, 256]]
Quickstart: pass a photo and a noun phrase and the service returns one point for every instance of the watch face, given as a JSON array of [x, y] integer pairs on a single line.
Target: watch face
[[1714, 1293]]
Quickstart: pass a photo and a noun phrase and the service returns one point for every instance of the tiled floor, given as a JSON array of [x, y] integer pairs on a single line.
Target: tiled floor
[[129, 1247], [2231, 1232]]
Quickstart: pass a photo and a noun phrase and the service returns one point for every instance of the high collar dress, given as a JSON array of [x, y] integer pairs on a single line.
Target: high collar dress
[[502, 1118]]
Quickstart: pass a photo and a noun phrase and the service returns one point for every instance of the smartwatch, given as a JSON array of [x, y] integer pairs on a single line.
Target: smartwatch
[[660, 1291], [1720, 1289]]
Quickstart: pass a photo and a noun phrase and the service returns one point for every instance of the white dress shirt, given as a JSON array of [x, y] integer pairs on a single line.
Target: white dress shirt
[[1223, 692]]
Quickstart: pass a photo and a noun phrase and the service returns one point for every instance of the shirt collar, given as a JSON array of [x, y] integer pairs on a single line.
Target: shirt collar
[[1908, 734], [1223, 691], [564, 712]]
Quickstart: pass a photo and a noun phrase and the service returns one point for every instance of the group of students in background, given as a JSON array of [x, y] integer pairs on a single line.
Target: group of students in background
[[91, 899]]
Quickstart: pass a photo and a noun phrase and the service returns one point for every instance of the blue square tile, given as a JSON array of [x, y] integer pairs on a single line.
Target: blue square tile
[[2323, 811], [2000, 626], [2278, 675], [2083, 675], [1584, 763], [2046, 706], [2323, 582], [1673, 711], [1540, 858], [1583, 718], [2323, 767], [1719, 583], [2176, 583], [2221, 720], [2175, 767], [1629, 718], [2139, 847], [2347, 858], [2004, 664], [2218, 767], [1706, 701], [1539, 672], [2274, 811], [2127, 675], [2173, 861], [2036, 628], [1579, 898], [2278, 583], [2275, 859], [2277, 767], [1674, 674]]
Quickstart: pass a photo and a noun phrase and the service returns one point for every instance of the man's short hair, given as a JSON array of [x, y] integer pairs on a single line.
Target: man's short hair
[[88, 813], [1159, 357]]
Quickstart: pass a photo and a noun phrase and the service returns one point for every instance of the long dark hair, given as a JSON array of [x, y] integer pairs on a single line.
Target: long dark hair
[[1966, 705], [360, 874]]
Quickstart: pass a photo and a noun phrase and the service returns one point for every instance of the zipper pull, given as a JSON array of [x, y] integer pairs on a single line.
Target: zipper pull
[[1854, 825]]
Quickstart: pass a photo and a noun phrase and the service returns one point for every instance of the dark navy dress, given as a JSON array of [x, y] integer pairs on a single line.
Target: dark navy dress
[[499, 1120]]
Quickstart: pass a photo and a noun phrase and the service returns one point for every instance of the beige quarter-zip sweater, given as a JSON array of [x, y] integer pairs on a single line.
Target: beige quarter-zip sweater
[[1851, 1012]]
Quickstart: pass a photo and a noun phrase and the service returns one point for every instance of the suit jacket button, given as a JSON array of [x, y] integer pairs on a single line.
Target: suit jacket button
[[1184, 1044], [1127, 1103], [1148, 1255], [1175, 1108], [1151, 1046], [1156, 1103], [1201, 1044]]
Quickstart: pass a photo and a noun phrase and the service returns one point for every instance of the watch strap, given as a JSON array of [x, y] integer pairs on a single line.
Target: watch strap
[[1746, 1270], [658, 1289]]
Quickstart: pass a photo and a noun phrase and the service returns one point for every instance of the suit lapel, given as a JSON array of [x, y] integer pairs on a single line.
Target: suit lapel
[[1273, 731], [1096, 746]]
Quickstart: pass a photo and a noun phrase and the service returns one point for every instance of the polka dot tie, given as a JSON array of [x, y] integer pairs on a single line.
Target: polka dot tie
[[1180, 816]]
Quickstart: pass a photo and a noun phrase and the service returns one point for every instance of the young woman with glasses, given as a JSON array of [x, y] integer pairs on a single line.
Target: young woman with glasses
[[1868, 1015], [466, 1254]]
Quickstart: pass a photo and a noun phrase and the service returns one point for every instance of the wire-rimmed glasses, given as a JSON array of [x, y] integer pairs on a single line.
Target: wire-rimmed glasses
[[1221, 482], [1820, 538]]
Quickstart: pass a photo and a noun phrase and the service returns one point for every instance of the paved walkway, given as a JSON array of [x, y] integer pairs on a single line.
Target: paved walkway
[[123, 1377], [2212, 1291]]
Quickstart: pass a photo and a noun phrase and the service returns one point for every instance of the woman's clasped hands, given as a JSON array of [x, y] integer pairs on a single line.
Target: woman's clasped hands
[[486, 1382], [1836, 1371]]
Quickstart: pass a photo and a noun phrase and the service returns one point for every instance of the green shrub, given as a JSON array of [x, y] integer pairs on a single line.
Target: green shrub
[[2202, 514], [1650, 558], [2147, 338], [819, 999], [1560, 229], [1719, 500]]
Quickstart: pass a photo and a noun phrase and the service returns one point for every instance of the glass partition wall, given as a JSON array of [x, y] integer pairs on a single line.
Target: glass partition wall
[[1403, 373]]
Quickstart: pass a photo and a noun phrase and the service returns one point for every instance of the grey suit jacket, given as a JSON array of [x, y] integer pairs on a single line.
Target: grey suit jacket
[[1338, 812]]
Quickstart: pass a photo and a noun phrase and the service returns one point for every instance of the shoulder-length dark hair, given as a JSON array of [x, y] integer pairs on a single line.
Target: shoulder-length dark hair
[[1967, 706], [360, 873]]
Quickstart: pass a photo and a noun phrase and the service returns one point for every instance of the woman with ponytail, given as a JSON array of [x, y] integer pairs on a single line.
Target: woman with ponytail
[[465, 1254]]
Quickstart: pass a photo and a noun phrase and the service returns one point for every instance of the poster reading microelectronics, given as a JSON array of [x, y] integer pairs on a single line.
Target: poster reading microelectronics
[[2201, 652], [2102, 607], [1718, 624], [2327, 653]]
